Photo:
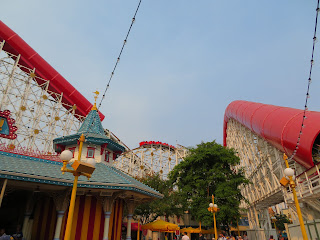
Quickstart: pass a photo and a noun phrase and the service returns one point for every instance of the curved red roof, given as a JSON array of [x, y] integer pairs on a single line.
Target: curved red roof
[[280, 126], [14, 44]]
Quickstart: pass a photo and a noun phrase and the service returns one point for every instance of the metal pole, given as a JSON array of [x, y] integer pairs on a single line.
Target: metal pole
[[73, 194], [215, 226], [292, 185], [303, 229], [3, 190], [81, 140], [71, 208], [214, 221]]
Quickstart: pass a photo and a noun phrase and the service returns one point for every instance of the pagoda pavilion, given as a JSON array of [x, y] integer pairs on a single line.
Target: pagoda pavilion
[[35, 194]]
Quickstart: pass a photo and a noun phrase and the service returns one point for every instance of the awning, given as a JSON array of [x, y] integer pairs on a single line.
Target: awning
[[160, 226], [209, 231], [241, 228], [191, 230]]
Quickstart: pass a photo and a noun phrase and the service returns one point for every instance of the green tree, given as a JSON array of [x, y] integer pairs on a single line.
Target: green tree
[[167, 206], [207, 170], [281, 219]]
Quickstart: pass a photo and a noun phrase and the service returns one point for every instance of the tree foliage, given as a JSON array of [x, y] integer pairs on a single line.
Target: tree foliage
[[206, 171], [167, 206], [281, 219]]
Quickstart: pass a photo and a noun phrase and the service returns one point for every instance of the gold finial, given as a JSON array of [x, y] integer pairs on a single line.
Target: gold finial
[[94, 107]]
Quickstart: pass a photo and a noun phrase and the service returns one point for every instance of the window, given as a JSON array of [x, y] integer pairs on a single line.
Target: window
[[72, 150], [106, 158], [90, 152]]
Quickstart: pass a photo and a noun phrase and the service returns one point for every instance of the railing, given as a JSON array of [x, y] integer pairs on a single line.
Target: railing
[[11, 148], [307, 184]]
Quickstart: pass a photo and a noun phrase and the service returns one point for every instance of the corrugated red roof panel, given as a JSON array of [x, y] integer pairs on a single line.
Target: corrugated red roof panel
[[280, 126]]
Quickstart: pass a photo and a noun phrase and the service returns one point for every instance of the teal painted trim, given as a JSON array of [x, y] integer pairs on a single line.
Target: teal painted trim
[[69, 184], [67, 139], [30, 158], [116, 145]]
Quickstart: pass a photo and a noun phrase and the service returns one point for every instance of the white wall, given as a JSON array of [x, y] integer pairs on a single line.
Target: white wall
[[312, 228], [98, 158]]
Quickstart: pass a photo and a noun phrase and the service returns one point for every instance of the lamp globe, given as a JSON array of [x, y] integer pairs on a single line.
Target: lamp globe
[[91, 161], [66, 155], [211, 205], [289, 172], [215, 205]]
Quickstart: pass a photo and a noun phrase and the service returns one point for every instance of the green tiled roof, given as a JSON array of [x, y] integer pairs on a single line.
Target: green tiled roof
[[25, 168]]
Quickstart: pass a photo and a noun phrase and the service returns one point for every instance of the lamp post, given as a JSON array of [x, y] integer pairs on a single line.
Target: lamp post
[[138, 233], [79, 168], [289, 172], [274, 219], [214, 208]]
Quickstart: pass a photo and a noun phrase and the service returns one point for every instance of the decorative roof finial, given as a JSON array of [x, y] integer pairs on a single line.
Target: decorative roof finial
[[94, 107]]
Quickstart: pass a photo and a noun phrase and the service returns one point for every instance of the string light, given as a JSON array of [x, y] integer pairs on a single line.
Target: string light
[[118, 59], [309, 82]]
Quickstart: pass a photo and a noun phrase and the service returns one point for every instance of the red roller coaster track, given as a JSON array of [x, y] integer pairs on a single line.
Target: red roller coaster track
[[280, 126], [14, 44]]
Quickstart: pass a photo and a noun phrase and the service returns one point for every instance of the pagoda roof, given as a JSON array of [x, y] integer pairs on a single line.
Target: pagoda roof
[[93, 131], [92, 124], [31, 169]]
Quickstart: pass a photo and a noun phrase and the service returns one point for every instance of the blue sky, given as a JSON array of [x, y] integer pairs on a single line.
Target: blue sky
[[184, 62]]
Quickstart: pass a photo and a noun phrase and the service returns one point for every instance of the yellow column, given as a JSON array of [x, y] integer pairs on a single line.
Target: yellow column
[[292, 185], [214, 221], [215, 226], [82, 139], [71, 208], [303, 229]]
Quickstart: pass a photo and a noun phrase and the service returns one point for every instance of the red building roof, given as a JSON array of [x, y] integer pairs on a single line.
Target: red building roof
[[280, 126]]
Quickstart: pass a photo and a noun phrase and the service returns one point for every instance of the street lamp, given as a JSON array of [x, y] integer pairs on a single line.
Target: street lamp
[[274, 219], [79, 168], [289, 173], [214, 208]]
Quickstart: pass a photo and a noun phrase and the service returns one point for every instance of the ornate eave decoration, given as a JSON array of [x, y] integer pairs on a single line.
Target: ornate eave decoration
[[7, 129]]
